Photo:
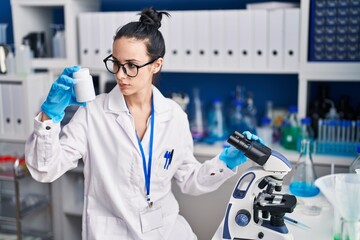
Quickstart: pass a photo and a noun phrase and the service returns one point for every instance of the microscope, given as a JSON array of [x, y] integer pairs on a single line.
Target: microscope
[[254, 193]]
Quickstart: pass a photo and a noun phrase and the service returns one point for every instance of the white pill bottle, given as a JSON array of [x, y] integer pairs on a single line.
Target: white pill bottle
[[84, 87]]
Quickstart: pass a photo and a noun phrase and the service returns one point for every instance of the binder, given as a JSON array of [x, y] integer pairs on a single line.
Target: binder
[[245, 41], [259, 38], [202, 39], [7, 104], [291, 39], [217, 48], [165, 31], [96, 52], [176, 32], [85, 36], [1, 112], [188, 51], [18, 112], [276, 39], [232, 37], [109, 28]]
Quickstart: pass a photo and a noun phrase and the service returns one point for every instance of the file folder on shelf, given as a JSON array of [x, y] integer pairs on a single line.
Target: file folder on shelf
[[96, 51], [85, 36], [276, 39], [18, 113], [165, 31], [177, 33], [8, 109], [232, 37], [189, 33], [291, 39], [202, 39], [259, 38], [217, 47], [1, 112], [245, 41], [109, 30]]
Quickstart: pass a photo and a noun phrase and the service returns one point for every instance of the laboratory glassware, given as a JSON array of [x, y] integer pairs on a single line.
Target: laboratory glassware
[[290, 130], [304, 176], [355, 165], [306, 132], [217, 125]]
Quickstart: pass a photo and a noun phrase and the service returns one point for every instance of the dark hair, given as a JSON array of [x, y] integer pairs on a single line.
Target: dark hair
[[147, 28]]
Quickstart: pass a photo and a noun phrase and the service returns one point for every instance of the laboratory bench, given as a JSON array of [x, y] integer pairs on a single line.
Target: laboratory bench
[[205, 212]]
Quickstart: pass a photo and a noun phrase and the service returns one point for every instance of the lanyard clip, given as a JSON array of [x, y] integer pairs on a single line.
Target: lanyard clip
[[150, 203]]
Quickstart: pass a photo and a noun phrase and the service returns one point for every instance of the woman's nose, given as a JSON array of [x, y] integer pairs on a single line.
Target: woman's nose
[[121, 73]]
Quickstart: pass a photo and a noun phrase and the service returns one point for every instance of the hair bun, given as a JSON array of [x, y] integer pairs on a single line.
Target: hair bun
[[151, 17]]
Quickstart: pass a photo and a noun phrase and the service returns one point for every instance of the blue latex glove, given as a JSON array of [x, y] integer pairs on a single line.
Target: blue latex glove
[[232, 156], [61, 95]]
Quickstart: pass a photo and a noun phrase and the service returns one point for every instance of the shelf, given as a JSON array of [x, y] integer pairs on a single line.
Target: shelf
[[9, 232], [30, 204], [41, 13], [231, 71], [75, 210]]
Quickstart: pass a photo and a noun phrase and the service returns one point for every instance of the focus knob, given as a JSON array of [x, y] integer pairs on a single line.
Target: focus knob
[[242, 218]]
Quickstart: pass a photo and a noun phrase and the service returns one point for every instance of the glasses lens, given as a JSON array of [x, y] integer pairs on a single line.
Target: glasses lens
[[131, 69], [112, 66]]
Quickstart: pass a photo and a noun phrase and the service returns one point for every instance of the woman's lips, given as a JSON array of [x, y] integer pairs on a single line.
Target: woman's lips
[[123, 86]]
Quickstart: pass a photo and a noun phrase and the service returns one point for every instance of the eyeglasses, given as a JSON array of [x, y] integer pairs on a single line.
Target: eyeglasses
[[130, 69]]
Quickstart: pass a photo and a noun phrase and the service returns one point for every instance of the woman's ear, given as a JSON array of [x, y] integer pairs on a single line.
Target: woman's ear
[[157, 65]]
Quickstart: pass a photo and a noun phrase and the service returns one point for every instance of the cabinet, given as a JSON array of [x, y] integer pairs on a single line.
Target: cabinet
[[25, 209], [72, 205], [309, 71], [21, 98], [38, 15]]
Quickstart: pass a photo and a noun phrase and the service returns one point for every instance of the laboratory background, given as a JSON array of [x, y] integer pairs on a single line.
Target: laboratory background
[[288, 71]]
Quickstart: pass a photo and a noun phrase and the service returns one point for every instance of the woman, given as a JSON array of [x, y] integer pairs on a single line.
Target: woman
[[132, 141]]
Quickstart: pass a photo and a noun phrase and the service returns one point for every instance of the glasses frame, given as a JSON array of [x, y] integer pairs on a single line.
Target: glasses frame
[[122, 66]]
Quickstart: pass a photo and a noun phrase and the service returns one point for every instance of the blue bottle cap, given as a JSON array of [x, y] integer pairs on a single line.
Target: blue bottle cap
[[306, 121], [293, 109], [265, 121], [358, 149]]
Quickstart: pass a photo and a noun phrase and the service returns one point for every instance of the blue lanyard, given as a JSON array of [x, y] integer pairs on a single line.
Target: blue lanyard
[[147, 168]]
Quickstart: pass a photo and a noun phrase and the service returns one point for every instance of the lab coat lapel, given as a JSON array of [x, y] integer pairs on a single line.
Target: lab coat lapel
[[162, 110], [115, 104]]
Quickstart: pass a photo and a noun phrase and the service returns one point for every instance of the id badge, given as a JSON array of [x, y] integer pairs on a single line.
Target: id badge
[[151, 219]]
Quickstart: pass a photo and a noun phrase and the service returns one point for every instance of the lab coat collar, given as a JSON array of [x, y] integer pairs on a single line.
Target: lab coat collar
[[115, 101], [115, 104]]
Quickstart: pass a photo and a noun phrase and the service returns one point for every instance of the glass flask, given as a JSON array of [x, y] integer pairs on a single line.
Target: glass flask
[[304, 176], [355, 165]]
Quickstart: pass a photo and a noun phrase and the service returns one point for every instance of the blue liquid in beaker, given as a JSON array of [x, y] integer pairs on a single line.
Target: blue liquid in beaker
[[304, 189]]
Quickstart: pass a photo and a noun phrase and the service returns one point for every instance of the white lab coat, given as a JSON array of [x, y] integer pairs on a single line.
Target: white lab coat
[[102, 134]]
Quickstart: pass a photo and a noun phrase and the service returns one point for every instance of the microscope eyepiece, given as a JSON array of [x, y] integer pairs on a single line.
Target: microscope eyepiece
[[254, 150]]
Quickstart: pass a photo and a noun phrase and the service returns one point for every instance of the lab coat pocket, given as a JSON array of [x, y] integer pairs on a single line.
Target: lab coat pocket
[[109, 228], [165, 164]]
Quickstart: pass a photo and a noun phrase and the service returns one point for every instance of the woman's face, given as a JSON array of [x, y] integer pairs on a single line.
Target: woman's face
[[133, 51]]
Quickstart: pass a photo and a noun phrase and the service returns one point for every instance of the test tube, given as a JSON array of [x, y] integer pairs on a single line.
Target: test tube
[[353, 131], [332, 130], [338, 131], [358, 131], [343, 130], [320, 130], [348, 125]]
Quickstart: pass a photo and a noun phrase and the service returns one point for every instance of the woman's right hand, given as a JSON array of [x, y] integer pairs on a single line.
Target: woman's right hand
[[61, 95]]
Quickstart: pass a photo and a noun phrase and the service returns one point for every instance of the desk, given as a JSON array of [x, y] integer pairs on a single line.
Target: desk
[[321, 225]]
